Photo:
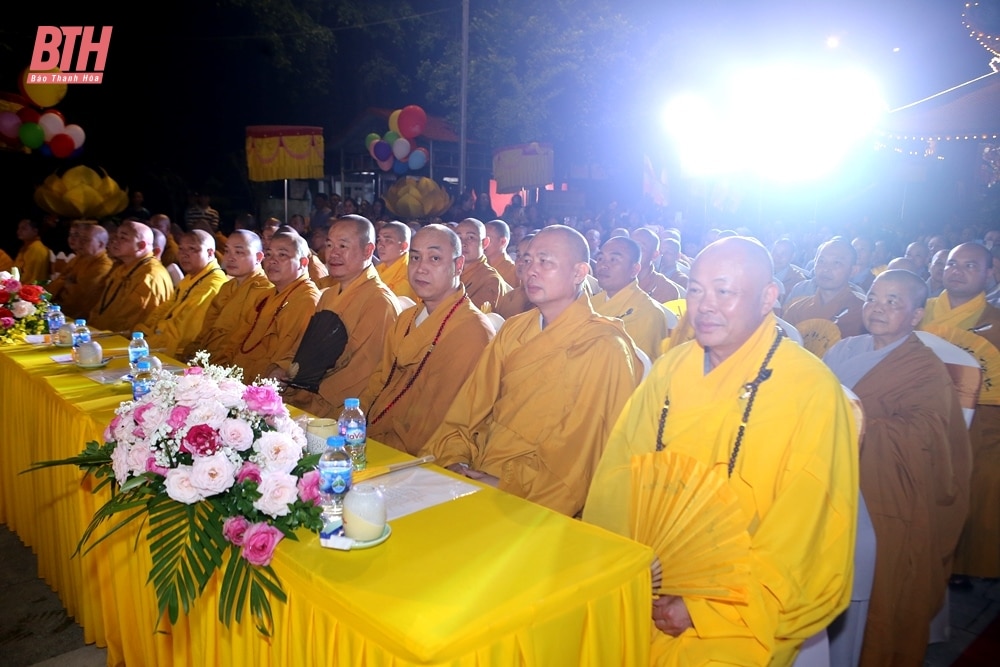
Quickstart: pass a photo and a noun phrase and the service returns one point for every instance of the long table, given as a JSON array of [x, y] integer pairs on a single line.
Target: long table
[[485, 579]]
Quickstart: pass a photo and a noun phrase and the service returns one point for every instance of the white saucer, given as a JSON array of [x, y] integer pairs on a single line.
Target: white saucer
[[93, 366], [368, 544]]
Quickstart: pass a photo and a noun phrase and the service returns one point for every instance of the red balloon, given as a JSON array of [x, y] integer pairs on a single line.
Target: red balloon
[[412, 121], [28, 115], [62, 145]]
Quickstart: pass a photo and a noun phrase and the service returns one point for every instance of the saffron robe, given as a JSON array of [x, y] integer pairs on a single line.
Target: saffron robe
[[171, 252], [33, 263], [513, 303], [796, 476], [537, 410], [660, 288], [414, 394], [482, 283], [505, 266], [131, 294], [317, 269], [915, 469], [396, 278], [978, 551], [270, 333], [81, 283], [6, 263], [176, 323], [812, 307], [644, 319], [224, 315], [368, 309]]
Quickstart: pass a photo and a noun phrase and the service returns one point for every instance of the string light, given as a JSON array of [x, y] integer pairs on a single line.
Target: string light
[[989, 42]]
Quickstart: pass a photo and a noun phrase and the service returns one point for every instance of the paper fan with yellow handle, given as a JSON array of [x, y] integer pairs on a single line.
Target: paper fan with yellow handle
[[985, 353], [818, 335], [694, 522]]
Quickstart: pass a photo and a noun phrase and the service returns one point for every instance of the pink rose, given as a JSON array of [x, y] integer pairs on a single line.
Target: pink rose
[[237, 434], [212, 474], [230, 393], [137, 456], [194, 370], [200, 439], [109, 431], [263, 400], [7, 322], [309, 488], [249, 472], [178, 417], [259, 542], [234, 529], [119, 462], [179, 487], [277, 490], [151, 466], [149, 415], [12, 286]]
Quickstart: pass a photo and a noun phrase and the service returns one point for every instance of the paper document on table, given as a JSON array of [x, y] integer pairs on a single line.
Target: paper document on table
[[415, 489], [63, 358]]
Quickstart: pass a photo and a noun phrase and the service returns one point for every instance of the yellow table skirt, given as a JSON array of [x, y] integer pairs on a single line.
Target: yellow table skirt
[[488, 579]]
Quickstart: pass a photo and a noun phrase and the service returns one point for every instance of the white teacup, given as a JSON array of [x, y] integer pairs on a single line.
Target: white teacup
[[364, 513], [89, 353]]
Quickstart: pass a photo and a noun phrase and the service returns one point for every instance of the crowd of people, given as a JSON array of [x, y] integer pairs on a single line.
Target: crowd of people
[[554, 363]]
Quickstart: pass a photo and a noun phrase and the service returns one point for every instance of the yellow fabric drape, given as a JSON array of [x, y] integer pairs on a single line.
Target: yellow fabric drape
[[939, 311], [437, 592], [287, 156]]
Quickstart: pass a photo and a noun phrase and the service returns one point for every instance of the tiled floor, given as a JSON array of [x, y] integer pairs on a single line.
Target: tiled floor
[[35, 631]]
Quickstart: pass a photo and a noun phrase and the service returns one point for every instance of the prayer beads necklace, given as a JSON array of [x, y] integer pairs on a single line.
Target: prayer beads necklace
[[413, 378], [105, 302], [749, 393], [260, 309]]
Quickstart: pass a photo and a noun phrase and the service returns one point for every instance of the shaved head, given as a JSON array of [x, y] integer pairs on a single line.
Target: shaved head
[[904, 264], [397, 229], [361, 226], [251, 239], [201, 237], [445, 235], [575, 244], [300, 244], [631, 249], [501, 228], [914, 285]]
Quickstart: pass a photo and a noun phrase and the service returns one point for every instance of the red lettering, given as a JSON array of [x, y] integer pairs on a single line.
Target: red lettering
[[46, 52], [70, 33], [99, 49]]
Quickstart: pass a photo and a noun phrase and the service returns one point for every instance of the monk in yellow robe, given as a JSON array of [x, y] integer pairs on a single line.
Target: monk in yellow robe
[[367, 308], [498, 234], [136, 287], [644, 319], [915, 466], [834, 299], [176, 323], [171, 251], [270, 333], [246, 287], [33, 258], [430, 351], [534, 416], [82, 281], [482, 282], [773, 423], [516, 300], [963, 305], [393, 247], [651, 281]]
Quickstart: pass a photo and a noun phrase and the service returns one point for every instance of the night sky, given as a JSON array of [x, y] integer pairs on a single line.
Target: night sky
[[184, 78]]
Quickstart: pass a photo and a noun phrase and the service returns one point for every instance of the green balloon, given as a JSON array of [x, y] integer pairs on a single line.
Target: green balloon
[[370, 138], [390, 137], [32, 135]]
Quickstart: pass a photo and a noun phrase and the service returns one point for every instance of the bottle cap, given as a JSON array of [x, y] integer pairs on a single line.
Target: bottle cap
[[143, 365], [81, 323], [136, 335], [352, 403], [336, 441], [57, 306]]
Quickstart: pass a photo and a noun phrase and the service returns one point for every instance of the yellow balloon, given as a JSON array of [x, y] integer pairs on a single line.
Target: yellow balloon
[[43, 94], [394, 121]]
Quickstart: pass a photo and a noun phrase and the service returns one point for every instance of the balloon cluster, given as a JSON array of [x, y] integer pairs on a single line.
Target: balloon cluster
[[46, 132], [396, 149]]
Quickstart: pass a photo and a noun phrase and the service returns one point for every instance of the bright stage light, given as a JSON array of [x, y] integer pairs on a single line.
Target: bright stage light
[[783, 122]]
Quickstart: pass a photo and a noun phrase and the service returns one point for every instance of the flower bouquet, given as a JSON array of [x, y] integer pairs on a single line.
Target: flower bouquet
[[216, 467], [22, 309]]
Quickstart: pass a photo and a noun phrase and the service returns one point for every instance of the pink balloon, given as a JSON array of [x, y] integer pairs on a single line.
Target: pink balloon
[[9, 124], [386, 165], [77, 134], [401, 148]]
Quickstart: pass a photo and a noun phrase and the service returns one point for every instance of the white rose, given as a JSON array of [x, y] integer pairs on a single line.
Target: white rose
[[237, 434], [288, 426], [278, 490], [210, 412], [277, 451], [192, 390], [179, 487], [212, 474], [22, 309], [230, 393], [138, 454], [123, 430]]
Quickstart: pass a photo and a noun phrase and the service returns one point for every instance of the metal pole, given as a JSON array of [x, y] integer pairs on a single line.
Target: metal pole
[[286, 201], [464, 96]]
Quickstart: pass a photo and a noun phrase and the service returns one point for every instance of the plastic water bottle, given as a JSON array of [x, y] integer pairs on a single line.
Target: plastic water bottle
[[143, 381], [354, 428], [334, 476], [137, 349], [55, 320], [81, 335]]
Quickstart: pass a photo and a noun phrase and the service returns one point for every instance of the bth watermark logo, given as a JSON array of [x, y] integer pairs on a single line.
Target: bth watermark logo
[[55, 47]]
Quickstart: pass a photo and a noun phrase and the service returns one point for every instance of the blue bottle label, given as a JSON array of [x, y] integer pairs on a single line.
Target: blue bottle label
[[334, 479]]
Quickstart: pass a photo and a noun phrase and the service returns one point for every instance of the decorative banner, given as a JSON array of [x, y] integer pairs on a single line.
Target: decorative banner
[[523, 166], [277, 152]]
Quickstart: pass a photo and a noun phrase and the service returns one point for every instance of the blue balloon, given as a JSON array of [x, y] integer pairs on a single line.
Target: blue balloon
[[45, 150], [400, 167], [418, 159]]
